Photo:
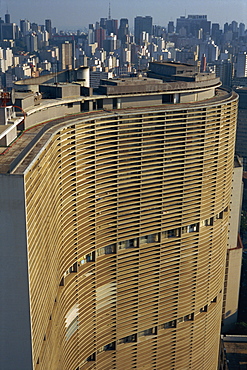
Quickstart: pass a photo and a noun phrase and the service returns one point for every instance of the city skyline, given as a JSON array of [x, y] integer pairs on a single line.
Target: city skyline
[[85, 12]]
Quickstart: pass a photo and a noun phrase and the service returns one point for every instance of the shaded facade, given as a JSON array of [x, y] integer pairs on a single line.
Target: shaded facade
[[241, 137]]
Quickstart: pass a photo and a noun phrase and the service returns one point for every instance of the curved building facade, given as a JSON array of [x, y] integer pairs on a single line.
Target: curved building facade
[[126, 224]]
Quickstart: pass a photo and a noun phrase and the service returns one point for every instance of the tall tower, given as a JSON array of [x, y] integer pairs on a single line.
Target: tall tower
[[115, 227], [48, 26], [241, 68], [109, 13], [143, 24], [7, 18]]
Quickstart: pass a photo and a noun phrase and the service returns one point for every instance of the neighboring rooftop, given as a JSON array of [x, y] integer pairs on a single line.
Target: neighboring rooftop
[[170, 71], [235, 351]]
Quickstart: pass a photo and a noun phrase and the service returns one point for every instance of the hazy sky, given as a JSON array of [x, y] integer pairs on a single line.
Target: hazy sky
[[77, 14]]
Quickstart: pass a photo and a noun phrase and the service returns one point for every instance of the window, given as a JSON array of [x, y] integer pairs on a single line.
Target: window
[[189, 317], [70, 105], [151, 331], [91, 358], [192, 228], [143, 239], [88, 359], [204, 309], [131, 243], [209, 222], [153, 238], [123, 244], [219, 216], [90, 257], [170, 324], [110, 347], [71, 269], [164, 234], [109, 249], [173, 233], [128, 339]]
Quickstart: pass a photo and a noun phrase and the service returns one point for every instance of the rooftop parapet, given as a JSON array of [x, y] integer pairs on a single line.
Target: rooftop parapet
[[169, 71], [146, 85]]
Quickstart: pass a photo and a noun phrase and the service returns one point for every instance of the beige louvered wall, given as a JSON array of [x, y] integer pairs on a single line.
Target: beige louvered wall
[[127, 228]]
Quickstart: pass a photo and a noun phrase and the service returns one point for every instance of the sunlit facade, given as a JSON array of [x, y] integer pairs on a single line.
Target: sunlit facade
[[125, 225]]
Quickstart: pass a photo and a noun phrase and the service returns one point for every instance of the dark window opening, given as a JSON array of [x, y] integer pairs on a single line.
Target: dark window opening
[[167, 98], [128, 339], [100, 103], [204, 309], [91, 358], [110, 347], [170, 324]]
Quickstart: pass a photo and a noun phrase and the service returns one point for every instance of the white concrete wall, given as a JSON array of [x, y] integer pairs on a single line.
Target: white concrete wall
[[236, 204], [139, 101], [232, 291], [234, 254], [15, 333], [51, 113]]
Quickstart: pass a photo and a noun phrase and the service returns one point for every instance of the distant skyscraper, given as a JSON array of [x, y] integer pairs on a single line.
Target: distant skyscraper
[[35, 27], [224, 70], [8, 31], [241, 29], [171, 27], [66, 52], [215, 28], [123, 30], [226, 27], [102, 22], [112, 26], [100, 36], [7, 18], [110, 43], [24, 26], [234, 26], [48, 26], [91, 37], [143, 24], [241, 67], [193, 23]]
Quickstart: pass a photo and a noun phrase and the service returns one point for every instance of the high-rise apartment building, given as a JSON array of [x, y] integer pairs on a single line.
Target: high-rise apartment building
[[100, 36], [115, 224], [65, 55], [241, 136], [48, 26], [193, 24], [8, 30], [24, 26], [241, 67], [123, 30], [171, 27], [7, 18], [143, 24]]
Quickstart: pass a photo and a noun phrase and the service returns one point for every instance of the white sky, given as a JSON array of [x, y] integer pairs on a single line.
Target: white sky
[[77, 14]]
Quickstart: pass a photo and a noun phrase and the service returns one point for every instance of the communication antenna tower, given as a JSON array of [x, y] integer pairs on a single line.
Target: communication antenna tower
[[109, 14]]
